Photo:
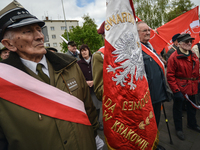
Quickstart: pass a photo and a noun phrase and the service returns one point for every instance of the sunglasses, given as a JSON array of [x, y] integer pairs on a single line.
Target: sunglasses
[[187, 41]]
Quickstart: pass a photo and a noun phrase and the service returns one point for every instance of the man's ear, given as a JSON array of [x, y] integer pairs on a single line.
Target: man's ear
[[9, 44]]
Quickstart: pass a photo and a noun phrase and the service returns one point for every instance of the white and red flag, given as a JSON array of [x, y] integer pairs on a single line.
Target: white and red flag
[[128, 116], [185, 23], [24, 90]]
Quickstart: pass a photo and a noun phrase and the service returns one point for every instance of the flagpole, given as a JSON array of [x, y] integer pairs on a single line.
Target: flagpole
[[65, 20]]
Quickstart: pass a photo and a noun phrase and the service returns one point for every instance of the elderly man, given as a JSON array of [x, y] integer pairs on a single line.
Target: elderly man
[[35, 115], [182, 76], [72, 50], [155, 75], [4, 53]]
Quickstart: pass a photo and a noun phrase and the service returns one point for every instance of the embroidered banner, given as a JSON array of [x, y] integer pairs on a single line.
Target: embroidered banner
[[128, 117], [28, 92]]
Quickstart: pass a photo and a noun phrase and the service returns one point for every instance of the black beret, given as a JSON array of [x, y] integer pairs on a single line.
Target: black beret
[[72, 43], [184, 37], [175, 37]]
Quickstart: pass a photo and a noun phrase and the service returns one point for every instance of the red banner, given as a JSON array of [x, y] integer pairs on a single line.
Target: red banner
[[185, 23], [128, 117]]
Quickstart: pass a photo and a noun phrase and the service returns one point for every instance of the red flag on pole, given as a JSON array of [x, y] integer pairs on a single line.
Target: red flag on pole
[[185, 23], [128, 115]]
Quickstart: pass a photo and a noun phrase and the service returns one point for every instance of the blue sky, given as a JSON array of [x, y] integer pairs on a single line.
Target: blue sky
[[83, 3]]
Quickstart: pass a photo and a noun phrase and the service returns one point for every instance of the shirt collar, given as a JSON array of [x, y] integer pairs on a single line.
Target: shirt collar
[[32, 65]]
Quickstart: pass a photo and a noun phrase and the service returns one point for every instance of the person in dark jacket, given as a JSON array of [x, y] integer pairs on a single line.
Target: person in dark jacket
[[85, 65], [155, 75], [174, 46], [182, 77]]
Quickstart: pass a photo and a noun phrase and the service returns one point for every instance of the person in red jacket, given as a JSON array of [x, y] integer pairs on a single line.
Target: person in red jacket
[[182, 76]]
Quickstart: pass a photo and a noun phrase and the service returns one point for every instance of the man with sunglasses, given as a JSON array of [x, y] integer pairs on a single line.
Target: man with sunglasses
[[182, 76]]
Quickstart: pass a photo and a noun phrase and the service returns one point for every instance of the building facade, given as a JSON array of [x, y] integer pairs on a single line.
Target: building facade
[[55, 28]]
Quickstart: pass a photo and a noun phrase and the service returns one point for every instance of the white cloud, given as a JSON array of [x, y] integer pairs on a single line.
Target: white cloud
[[54, 10]]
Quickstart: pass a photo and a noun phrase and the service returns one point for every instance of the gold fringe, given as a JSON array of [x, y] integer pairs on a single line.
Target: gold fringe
[[155, 144]]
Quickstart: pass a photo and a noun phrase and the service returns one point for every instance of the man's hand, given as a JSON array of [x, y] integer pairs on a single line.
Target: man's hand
[[90, 83]]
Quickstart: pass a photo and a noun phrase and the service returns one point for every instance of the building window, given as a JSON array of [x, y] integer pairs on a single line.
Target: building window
[[63, 27], [52, 28], [47, 44], [71, 27], [53, 36], [54, 44]]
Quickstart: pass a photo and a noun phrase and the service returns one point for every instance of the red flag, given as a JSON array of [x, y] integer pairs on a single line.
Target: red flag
[[128, 117], [185, 23], [156, 40]]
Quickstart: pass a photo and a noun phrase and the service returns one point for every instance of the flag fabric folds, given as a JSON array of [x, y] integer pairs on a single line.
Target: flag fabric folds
[[185, 23], [128, 116]]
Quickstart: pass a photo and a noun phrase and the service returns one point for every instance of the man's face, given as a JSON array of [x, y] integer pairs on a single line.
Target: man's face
[[144, 32], [29, 42], [186, 45], [72, 48], [5, 54]]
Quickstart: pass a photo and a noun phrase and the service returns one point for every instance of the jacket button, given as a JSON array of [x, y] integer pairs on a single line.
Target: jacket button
[[65, 142]]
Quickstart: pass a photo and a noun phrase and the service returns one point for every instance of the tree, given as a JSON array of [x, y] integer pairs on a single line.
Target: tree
[[158, 12], [87, 34], [179, 7], [153, 12]]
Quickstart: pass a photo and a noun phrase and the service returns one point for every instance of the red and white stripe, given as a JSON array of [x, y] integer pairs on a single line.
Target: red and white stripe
[[28, 92]]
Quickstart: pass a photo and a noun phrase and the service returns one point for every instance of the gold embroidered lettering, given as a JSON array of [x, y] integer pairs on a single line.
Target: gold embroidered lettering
[[124, 132], [112, 108], [119, 19], [134, 136], [111, 20], [124, 16], [108, 102], [107, 27], [115, 125], [129, 134], [130, 106], [106, 116], [121, 127], [139, 141], [124, 103], [137, 106]]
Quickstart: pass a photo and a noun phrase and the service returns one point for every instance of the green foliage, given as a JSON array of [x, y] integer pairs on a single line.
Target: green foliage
[[158, 12], [87, 34], [179, 7], [153, 12]]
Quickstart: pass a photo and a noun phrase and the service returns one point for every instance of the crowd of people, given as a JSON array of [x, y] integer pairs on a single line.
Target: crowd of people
[[78, 75]]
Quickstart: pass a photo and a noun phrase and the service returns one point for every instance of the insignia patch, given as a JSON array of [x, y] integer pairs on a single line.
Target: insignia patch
[[72, 84]]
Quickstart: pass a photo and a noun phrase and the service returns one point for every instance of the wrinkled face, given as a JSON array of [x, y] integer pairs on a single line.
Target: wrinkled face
[[72, 48], [186, 45], [85, 53], [5, 54], [144, 32], [29, 42]]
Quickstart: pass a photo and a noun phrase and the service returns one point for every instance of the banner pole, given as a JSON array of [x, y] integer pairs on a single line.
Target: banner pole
[[166, 120]]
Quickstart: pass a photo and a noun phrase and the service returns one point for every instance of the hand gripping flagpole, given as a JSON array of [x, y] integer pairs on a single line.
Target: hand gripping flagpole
[[166, 120]]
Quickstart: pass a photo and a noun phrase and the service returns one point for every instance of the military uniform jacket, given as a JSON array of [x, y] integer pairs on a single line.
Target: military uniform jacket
[[21, 129]]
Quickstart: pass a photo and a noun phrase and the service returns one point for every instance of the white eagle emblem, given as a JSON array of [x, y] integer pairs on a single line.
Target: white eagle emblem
[[129, 53]]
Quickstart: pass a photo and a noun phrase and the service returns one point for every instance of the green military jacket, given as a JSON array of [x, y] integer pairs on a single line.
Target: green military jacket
[[97, 73], [23, 129]]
